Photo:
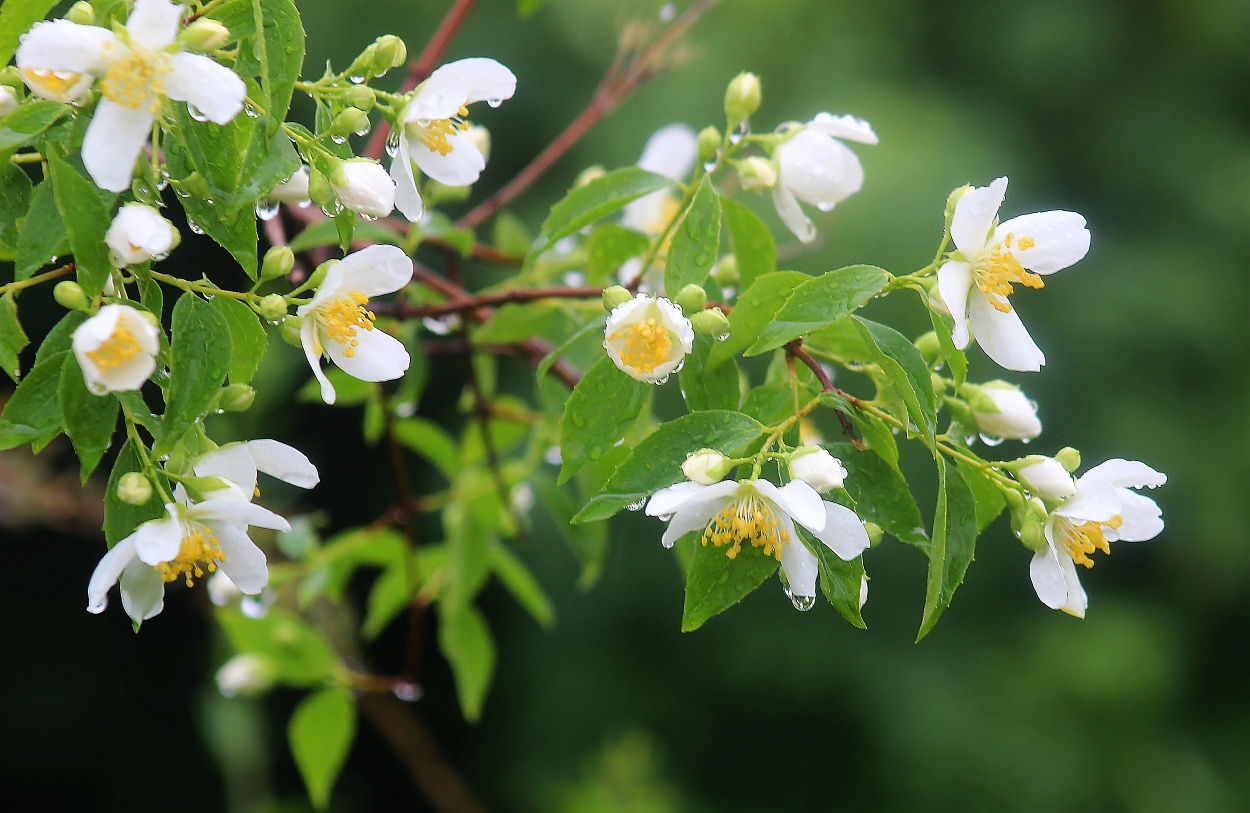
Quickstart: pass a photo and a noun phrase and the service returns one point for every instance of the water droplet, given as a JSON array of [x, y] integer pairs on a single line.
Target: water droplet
[[636, 506], [618, 443], [970, 439], [195, 113], [595, 451], [801, 603], [338, 139], [356, 80], [662, 380], [667, 13], [392, 143], [989, 441], [369, 218], [577, 419], [494, 102], [734, 138], [252, 112], [266, 209], [193, 226], [708, 166], [304, 204], [552, 456], [406, 409], [408, 692], [1026, 440], [362, 130], [442, 325], [825, 206], [382, 73]]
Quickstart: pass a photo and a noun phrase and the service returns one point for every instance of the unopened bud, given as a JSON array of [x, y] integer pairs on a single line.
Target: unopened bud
[[706, 466], [319, 273], [691, 299], [1033, 533], [361, 96], [151, 318], [479, 137], [711, 322], [1046, 477], [273, 307], [70, 295], [709, 144], [952, 199], [615, 296], [929, 347], [319, 190], [1069, 458], [725, 272], [336, 173], [134, 489], [8, 100], [938, 383], [353, 120], [391, 53], [288, 329], [204, 35], [279, 260], [1003, 411], [742, 98], [756, 174], [237, 398], [81, 13], [874, 532], [819, 469], [589, 174], [12, 77]]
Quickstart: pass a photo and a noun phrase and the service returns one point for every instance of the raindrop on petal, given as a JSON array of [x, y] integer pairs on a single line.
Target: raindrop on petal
[[195, 113], [494, 102], [825, 206], [801, 603], [990, 441]]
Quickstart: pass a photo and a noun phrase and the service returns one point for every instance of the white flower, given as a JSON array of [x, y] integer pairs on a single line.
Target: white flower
[[706, 466], [138, 233], [139, 68], [293, 189], [670, 151], [1102, 510], [817, 168], [648, 338], [367, 190], [337, 323], [116, 349], [1016, 417], [819, 469], [245, 674], [978, 279], [1047, 478], [757, 512], [434, 129], [238, 464], [8, 100]]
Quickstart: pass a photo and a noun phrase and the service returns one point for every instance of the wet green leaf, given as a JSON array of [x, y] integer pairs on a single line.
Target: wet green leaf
[[694, 246], [602, 408], [818, 302]]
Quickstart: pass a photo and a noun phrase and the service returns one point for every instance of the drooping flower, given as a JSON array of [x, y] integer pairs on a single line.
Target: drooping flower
[[1103, 509], [139, 67], [366, 188], [816, 168], [819, 469], [977, 280], [336, 322], [116, 349], [648, 338], [1047, 478], [138, 233], [1016, 418], [238, 464], [758, 513], [434, 135]]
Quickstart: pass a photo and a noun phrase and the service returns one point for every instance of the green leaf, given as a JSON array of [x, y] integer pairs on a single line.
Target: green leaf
[[466, 642], [89, 420], [86, 214], [603, 407], [60, 337], [320, 735], [390, 594], [15, 193], [516, 322], [702, 388], [471, 521], [42, 236], [12, 337], [248, 339], [953, 546], [199, 360], [841, 340], [588, 543], [753, 244], [907, 372], [988, 496], [877, 436], [602, 196], [656, 462], [692, 252], [593, 326], [820, 301], [881, 494], [33, 411], [608, 247], [121, 519], [27, 122], [16, 18], [516, 577], [524, 8], [955, 359], [509, 235], [716, 582], [840, 580], [326, 233], [755, 308], [430, 442]]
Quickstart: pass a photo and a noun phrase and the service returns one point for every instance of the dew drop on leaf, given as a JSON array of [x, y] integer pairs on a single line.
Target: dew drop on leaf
[[636, 506]]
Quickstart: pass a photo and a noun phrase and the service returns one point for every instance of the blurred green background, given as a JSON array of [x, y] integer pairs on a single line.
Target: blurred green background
[[1134, 113]]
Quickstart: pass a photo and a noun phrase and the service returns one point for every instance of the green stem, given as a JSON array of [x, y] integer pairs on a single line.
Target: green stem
[[26, 158], [198, 287], [35, 280], [132, 431]]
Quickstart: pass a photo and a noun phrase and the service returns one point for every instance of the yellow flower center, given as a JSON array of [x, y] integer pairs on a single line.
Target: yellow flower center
[[52, 83], [136, 80], [1082, 540], [433, 133], [750, 519], [647, 345], [120, 348], [998, 268], [199, 554], [343, 317]]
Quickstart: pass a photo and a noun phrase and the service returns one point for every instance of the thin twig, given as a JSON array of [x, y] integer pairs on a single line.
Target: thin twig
[[482, 410], [18, 285], [795, 351], [519, 295]]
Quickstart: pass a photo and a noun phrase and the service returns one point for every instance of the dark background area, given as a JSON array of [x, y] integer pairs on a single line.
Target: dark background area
[[1134, 113]]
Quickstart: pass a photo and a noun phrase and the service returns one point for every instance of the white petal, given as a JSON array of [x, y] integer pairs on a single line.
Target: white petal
[[138, 233], [671, 151], [460, 167], [60, 45], [954, 282], [107, 573], [368, 190], [627, 313], [1077, 600], [114, 139], [293, 189], [154, 23], [797, 499], [1095, 500], [440, 97], [1047, 576], [307, 335], [218, 511], [244, 563], [407, 197], [667, 500], [788, 210], [848, 127], [234, 463], [1140, 518], [1002, 335], [158, 540], [974, 215], [1128, 474], [695, 514], [372, 271], [484, 79], [215, 90], [646, 214], [377, 356], [800, 566], [819, 169], [143, 591], [1060, 239], [284, 462], [844, 533]]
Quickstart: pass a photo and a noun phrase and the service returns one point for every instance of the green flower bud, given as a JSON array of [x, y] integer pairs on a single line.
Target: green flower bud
[[134, 489], [1015, 500], [11, 77], [353, 120], [319, 190], [589, 174], [1037, 508], [81, 13], [204, 35], [319, 273], [742, 98], [279, 260], [979, 399], [361, 96], [237, 398], [711, 322], [756, 174], [362, 66], [938, 383], [151, 318], [203, 488], [725, 272], [929, 347], [709, 144], [952, 199], [70, 295], [1033, 533], [706, 466], [391, 53], [1069, 458], [288, 329], [615, 296], [273, 307], [691, 299], [336, 173], [874, 532]]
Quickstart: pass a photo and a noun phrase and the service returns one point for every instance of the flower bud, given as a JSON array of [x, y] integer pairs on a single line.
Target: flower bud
[[589, 174], [1002, 411], [81, 13], [756, 174], [134, 489], [1069, 458], [293, 189], [363, 186], [691, 299], [319, 274], [725, 272], [709, 144], [874, 532], [361, 96], [212, 487], [70, 295], [288, 329], [11, 77], [938, 383], [1046, 477], [929, 347], [237, 398], [706, 466], [819, 469], [320, 191], [350, 121], [273, 307], [8, 100], [1033, 533], [204, 35], [137, 234], [279, 260], [615, 296], [742, 98], [246, 674], [952, 199], [151, 318], [710, 322], [479, 137], [391, 53]]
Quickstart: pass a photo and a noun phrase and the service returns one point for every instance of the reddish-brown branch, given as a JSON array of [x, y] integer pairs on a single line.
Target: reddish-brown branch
[[795, 351], [519, 295]]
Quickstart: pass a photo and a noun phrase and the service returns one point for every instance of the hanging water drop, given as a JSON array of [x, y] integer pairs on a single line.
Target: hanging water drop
[[801, 603], [193, 226], [266, 209], [990, 441], [338, 139], [195, 113], [708, 166], [408, 692], [392, 143], [825, 206], [356, 80], [636, 506], [363, 130], [252, 112], [494, 102]]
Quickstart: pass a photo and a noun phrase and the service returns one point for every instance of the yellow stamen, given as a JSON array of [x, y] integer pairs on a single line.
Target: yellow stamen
[[136, 80], [750, 519], [199, 554], [998, 268], [647, 345], [1082, 540], [53, 83], [120, 348], [343, 317], [435, 132]]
